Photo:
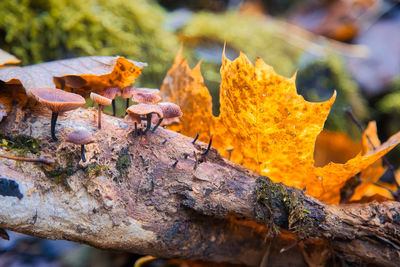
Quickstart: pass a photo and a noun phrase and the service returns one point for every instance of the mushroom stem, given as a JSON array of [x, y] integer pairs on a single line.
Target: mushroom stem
[[135, 133], [100, 107], [127, 105], [195, 139], [83, 153], [54, 116], [158, 124], [113, 106], [148, 119], [208, 147]]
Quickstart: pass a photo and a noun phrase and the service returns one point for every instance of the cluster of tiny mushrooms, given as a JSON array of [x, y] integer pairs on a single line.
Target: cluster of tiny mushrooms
[[139, 115]]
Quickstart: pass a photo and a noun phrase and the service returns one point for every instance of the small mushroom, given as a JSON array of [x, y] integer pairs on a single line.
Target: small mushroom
[[141, 95], [229, 149], [111, 93], [145, 110], [134, 119], [146, 98], [57, 101], [171, 113], [101, 101], [80, 137]]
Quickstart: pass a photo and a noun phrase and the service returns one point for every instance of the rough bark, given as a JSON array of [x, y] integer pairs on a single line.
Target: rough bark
[[129, 196]]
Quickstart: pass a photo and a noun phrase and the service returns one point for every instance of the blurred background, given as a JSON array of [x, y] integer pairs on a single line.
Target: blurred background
[[352, 46]]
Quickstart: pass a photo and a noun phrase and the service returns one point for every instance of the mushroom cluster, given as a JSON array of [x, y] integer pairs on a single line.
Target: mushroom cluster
[[136, 114], [140, 115], [141, 95]]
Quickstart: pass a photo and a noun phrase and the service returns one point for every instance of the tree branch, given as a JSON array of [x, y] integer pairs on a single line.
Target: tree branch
[[128, 196]]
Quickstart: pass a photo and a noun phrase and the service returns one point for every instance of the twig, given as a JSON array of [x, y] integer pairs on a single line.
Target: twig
[[39, 160]]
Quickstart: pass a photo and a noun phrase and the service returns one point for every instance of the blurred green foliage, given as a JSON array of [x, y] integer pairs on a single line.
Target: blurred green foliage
[[44, 30], [251, 34], [317, 81], [390, 103]]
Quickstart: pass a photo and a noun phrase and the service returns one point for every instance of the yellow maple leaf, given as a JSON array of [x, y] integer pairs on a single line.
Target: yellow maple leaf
[[371, 175], [271, 128], [334, 146], [192, 96]]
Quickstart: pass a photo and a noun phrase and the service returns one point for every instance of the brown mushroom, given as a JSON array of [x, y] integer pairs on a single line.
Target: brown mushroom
[[80, 137], [146, 98], [229, 149], [136, 120], [101, 101], [141, 95], [111, 93], [57, 101], [145, 110], [171, 113]]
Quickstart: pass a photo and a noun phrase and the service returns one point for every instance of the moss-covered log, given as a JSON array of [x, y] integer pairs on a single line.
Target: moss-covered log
[[130, 196]]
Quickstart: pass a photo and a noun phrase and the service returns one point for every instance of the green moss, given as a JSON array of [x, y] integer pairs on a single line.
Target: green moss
[[59, 174], [276, 196], [21, 144], [44, 30], [95, 170], [123, 163]]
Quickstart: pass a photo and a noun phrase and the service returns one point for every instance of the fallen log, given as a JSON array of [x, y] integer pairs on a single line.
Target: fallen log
[[160, 195]]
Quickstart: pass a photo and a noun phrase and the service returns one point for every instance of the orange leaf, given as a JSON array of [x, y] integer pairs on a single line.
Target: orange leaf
[[271, 128], [371, 175], [185, 87], [334, 146]]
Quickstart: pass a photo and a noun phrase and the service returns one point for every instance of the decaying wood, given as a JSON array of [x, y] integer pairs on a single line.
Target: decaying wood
[[131, 196]]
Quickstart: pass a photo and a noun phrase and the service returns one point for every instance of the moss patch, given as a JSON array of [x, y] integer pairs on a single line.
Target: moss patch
[[95, 170], [275, 197], [123, 163], [60, 173], [21, 144]]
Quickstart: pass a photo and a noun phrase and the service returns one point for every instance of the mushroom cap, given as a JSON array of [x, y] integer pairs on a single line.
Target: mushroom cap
[[101, 100], [146, 98], [144, 109], [131, 118], [112, 92], [57, 100], [166, 122], [127, 92], [130, 91], [170, 110], [80, 137]]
